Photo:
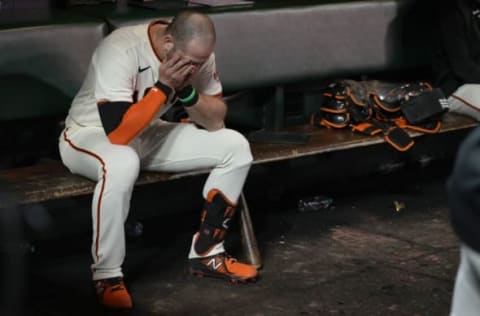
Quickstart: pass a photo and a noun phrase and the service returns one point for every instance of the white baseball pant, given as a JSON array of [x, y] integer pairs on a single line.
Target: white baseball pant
[[163, 146], [466, 100], [466, 293]]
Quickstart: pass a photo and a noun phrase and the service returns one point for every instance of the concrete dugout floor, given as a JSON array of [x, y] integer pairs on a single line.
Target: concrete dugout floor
[[360, 258]]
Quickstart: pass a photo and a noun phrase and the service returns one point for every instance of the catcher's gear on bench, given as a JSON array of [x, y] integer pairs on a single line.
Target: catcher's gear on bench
[[377, 108]]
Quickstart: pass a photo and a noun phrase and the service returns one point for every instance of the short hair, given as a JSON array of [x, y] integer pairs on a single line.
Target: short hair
[[189, 25]]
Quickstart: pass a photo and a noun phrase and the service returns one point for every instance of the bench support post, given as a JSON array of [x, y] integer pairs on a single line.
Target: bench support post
[[249, 241]]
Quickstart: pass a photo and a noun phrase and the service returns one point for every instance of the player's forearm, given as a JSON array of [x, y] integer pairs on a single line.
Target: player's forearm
[[209, 112]]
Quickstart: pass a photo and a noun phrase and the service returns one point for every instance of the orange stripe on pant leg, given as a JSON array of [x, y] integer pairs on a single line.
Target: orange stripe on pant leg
[[466, 102], [104, 174]]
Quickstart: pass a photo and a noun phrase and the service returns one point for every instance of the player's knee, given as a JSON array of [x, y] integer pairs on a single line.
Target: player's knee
[[124, 168], [239, 146]]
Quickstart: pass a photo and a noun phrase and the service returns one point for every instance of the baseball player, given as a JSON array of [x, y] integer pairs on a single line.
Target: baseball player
[[113, 130]]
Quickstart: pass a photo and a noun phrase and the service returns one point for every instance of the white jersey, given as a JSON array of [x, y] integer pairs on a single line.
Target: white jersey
[[123, 67]]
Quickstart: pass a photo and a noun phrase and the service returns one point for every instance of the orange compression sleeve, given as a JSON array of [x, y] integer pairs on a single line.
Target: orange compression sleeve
[[139, 115]]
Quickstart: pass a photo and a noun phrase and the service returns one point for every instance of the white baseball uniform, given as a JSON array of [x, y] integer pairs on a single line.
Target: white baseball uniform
[[122, 69], [466, 100]]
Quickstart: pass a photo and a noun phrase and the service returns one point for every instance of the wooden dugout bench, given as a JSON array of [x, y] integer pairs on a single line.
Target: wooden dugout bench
[[259, 48], [49, 180]]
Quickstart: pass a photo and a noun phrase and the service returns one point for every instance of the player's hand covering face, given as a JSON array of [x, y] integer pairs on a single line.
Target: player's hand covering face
[[197, 55], [175, 71]]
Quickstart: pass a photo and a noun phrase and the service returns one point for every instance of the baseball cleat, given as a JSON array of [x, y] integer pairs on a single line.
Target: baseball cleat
[[223, 266], [113, 294]]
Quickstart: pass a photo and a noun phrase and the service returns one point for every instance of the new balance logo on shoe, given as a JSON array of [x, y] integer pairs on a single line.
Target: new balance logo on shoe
[[214, 264], [223, 266]]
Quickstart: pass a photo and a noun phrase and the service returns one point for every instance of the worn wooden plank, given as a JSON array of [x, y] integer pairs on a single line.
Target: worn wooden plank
[[47, 180], [50, 180], [324, 140]]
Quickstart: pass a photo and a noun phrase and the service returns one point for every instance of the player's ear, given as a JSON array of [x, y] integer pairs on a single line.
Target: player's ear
[[168, 42]]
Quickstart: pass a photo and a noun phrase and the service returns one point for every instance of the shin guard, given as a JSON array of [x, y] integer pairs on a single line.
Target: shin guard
[[215, 221]]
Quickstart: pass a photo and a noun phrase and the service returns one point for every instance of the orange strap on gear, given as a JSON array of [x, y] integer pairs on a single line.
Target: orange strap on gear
[[398, 138], [366, 128], [327, 123], [216, 217], [393, 135], [427, 128]]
